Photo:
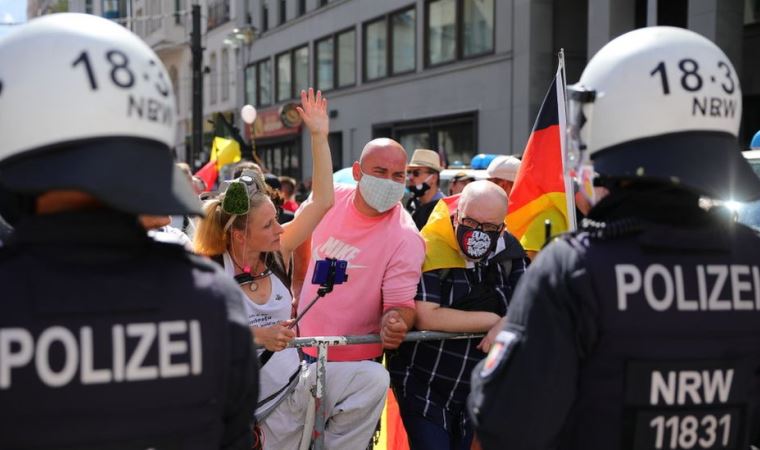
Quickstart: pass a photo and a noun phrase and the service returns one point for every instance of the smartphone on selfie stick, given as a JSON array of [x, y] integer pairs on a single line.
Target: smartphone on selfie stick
[[327, 273]]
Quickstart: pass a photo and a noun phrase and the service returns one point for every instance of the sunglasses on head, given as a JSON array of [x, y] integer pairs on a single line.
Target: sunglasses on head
[[236, 201]]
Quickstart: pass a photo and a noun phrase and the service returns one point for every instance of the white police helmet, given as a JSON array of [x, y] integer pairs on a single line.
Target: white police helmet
[[87, 105], [662, 104]]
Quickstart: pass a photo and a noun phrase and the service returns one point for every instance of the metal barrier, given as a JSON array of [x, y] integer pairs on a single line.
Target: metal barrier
[[322, 342]]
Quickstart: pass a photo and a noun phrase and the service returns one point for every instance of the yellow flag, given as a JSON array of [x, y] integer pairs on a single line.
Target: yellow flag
[[224, 151]]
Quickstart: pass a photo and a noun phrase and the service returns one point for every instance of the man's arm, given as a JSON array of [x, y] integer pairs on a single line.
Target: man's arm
[[431, 316]]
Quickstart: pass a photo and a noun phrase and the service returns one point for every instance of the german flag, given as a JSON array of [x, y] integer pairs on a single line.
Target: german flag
[[538, 193]]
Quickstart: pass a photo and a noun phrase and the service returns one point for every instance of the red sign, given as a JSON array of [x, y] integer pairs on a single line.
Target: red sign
[[268, 124]]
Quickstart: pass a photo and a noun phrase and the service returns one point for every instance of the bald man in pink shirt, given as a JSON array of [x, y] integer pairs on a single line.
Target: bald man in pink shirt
[[368, 227]]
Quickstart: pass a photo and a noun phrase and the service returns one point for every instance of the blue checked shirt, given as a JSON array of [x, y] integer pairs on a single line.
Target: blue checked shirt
[[432, 378]]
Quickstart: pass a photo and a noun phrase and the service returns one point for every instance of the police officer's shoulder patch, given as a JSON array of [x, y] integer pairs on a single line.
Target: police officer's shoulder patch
[[500, 352]]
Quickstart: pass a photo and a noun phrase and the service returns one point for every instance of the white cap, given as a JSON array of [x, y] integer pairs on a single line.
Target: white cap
[[504, 167]]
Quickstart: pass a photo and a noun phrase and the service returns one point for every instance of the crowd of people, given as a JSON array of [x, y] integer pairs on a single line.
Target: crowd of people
[[139, 317]]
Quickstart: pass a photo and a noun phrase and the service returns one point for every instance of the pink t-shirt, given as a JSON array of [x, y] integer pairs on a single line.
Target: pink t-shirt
[[384, 255]]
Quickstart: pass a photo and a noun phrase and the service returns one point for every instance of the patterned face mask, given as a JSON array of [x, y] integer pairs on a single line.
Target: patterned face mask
[[380, 194], [477, 241]]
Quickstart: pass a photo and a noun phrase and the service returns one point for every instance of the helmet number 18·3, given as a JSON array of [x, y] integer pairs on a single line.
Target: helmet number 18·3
[[121, 75], [692, 80]]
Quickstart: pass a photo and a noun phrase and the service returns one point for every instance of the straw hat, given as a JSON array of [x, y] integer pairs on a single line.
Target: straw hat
[[425, 158]]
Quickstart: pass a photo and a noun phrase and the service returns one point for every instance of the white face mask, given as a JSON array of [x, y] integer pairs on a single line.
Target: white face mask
[[380, 194]]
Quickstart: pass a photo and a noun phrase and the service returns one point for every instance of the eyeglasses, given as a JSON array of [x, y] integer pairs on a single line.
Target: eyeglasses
[[417, 172], [487, 227]]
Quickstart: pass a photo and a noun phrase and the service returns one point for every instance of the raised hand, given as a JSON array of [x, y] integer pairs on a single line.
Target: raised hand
[[313, 112]]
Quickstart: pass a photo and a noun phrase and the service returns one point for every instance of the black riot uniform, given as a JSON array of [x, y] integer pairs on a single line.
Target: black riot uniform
[[634, 333], [108, 340], [641, 330], [112, 341]]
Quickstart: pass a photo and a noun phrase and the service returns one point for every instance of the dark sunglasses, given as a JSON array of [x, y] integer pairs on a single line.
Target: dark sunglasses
[[417, 172]]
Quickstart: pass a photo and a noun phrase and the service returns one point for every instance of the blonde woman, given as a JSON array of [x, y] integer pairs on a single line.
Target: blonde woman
[[240, 231]]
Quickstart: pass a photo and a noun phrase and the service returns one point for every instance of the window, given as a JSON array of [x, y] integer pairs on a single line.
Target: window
[[284, 85], [301, 7], [390, 45], [213, 81], [265, 83], [154, 19], [751, 11], [174, 77], [300, 70], [335, 62], [456, 29], [250, 85], [283, 17], [139, 23], [178, 8], [225, 69], [403, 37], [441, 31], [292, 73], [282, 157], [258, 79], [346, 59], [478, 27], [325, 64], [112, 9], [264, 17], [455, 136], [375, 45], [674, 13]]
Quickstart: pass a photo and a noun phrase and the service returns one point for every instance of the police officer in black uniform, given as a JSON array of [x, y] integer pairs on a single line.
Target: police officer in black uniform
[[642, 330], [108, 340]]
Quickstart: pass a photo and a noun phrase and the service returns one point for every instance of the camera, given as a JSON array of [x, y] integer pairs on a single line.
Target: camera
[[330, 271]]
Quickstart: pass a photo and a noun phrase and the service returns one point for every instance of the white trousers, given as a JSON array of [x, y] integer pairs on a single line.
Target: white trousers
[[355, 395]]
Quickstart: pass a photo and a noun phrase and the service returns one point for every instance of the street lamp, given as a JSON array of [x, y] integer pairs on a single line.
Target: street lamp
[[239, 36]]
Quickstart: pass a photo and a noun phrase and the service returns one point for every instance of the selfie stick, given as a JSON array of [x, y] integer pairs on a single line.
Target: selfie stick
[[324, 289]]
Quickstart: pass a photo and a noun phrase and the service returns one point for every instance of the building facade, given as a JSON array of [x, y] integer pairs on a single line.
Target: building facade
[[459, 76]]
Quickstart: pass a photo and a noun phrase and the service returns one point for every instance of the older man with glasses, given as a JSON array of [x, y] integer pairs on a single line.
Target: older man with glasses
[[472, 265]]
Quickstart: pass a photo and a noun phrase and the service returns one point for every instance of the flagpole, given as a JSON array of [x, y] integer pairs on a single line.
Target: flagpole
[[562, 107]]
